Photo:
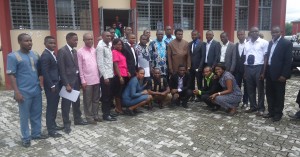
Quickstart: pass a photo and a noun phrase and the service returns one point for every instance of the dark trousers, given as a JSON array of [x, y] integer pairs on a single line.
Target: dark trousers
[[275, 92], [183, 95], [252, 76], [66, 105], [195, 76], [52, 105], [207, 100], [107, 96], [239, 77]]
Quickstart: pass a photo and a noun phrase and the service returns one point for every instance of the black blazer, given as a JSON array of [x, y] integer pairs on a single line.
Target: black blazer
[[49, 69], [213, 54], [281, 61], [174, 82], [130, 59], [211, 88], [196, 55], [240, 60], [68, 66]]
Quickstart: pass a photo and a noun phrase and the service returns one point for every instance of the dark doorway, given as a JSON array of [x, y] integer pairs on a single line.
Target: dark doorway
[[109, 17]]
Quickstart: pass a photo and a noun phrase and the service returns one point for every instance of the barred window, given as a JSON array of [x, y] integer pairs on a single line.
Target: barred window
[[241, 14], [150, 14], [213, 14], [184, 14], [73, 14], [265, 13], [29, 14]]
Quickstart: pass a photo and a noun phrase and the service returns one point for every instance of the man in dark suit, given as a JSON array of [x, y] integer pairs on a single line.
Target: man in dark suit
[[69, 74], [227, 53], [131, 56], [179, 84], [211, 55], [239, 68], [195, 50], [278, 70], [211, 86], [52, 85]]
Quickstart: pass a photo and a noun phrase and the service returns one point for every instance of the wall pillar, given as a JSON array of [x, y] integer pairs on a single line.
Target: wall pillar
[[5, 28], [253, 13], [199, 17], [168, 13], [228, 18], [278, 14], [95, 21], [52, 21]]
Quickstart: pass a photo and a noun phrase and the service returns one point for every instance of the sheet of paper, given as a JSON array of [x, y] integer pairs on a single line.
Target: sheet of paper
[[73, 95], [298, 68]]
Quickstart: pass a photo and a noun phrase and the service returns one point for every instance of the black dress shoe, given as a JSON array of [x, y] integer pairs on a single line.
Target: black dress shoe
[[59, 128], [294, 117], [40, 137], [55, 135], [67, 130], [276, 119], [137, 111], [130, 112], [250, 110], [267, 115], [80, 123], [26, 144], [109, 118], [215, 108], [113, 115]]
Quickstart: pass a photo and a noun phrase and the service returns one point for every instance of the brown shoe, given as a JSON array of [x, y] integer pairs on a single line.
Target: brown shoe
[[232, 111]]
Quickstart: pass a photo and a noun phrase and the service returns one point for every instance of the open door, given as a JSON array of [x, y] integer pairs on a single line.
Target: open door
[[132, 20]]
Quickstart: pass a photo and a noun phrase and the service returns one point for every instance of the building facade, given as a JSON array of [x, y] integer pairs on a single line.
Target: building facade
[[40, 18]]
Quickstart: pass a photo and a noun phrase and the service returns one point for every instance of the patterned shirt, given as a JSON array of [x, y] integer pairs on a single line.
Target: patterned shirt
[[105, 60], [143, 58], [158, 53]]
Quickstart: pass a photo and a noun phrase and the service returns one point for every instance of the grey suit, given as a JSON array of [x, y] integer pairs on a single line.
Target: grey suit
[[69, 73], [230, 57]]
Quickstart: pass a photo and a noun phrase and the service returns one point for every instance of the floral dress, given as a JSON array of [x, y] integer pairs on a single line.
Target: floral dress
[[158, 53]]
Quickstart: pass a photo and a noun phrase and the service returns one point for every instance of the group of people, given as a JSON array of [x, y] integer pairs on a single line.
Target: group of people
[[125, 75]]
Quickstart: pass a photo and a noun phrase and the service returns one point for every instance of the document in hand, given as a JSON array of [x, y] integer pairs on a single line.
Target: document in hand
[[73, 95], [298, 68]]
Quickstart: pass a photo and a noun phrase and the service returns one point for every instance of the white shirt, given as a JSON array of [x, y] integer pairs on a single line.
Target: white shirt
[[241, 47], [207, 49], [180, 83], [272, 49], [223, 52], [258, 48]]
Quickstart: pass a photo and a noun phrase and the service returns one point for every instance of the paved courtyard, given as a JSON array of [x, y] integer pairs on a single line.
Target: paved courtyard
[[163, 133]]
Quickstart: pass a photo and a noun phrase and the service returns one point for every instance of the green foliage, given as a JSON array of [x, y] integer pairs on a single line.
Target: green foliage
[[288, 28]]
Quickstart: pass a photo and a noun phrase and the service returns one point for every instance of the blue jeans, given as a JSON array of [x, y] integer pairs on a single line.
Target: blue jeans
[[31, 109]]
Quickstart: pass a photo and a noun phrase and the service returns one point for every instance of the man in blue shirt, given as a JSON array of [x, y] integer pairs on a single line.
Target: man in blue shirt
[[22, 69]]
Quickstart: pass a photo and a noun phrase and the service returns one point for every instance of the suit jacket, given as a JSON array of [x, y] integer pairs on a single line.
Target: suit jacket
[[230, 57], [281, 61], [68, 66], [174, 82], [130, 59], [196, 55], [212, 87], [240, 60], [49, 70], [213, 54]]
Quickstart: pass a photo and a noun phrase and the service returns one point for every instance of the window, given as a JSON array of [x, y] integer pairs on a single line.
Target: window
[[265, 12], [150, 14], [29, 14], [241, 14], [213, 14], [73, 14], [183, 14]]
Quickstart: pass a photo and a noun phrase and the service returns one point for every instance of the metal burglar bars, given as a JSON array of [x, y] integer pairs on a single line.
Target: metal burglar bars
[[265, 12], [150, 14], [213, 14], [241, 14], [184, 11], [73, 14], [29, 14]]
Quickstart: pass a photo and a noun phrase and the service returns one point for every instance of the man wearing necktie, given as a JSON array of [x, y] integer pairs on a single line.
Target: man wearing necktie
[[195, 48], [69, 73], [52, 85]]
